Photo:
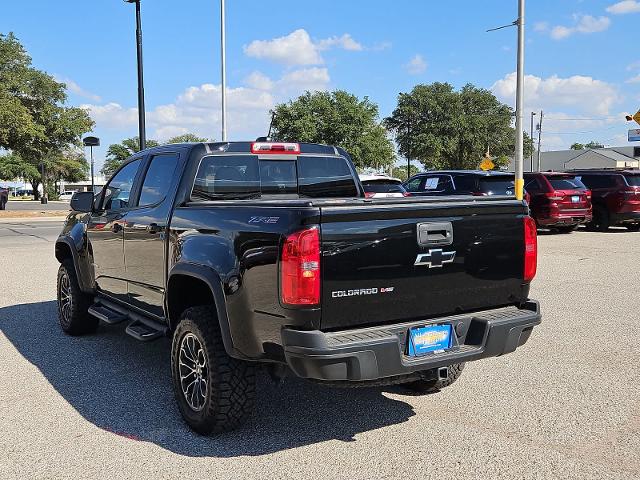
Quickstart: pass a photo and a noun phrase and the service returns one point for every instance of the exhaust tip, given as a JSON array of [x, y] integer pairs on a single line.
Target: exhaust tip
[[443, 373]]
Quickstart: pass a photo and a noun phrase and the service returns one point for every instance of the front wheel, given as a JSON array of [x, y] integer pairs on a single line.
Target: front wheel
[[432, 386], [214, 391], [73, 303]]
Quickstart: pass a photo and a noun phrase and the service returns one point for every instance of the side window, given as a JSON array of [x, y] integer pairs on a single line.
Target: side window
[[532, 185], [157, 179], [325, 177], [118, 190], [432, 184], [414, 185]]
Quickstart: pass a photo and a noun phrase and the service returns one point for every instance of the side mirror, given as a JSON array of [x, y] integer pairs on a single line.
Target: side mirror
[[82, 202]]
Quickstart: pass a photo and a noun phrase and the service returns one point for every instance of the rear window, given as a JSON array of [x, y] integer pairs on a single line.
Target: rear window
[[633, 180], [566, 183], [496, 185], [379, 186], [246, 176]]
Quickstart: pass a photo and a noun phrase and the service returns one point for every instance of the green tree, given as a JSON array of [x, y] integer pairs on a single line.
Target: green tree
[[117, 153], [577, 146], [444, 128], [34, 122], [12, 166], [593, 144], [187, 138], [336, 118]]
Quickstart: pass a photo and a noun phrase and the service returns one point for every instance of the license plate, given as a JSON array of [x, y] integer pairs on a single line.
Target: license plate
[[433, 338], [575, 199]]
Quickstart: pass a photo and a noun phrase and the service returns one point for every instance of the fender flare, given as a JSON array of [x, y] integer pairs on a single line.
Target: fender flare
[[211, 278], [68, 242]]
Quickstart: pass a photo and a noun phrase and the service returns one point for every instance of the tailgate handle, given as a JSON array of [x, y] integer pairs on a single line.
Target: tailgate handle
[[435, 233]]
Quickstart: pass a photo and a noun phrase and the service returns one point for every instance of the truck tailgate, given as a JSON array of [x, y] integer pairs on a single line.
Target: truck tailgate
[[376, 269]]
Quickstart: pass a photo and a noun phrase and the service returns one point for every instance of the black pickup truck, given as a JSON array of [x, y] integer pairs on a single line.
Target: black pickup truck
[[268, 254]]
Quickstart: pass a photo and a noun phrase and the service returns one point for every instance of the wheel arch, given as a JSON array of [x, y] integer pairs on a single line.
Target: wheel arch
[[65, 249], [190, 285]]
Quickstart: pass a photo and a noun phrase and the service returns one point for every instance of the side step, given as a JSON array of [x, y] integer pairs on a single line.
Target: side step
[[106, 314], [145, 332]]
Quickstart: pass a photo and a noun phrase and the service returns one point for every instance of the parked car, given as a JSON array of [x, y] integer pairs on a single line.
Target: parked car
[[615, 195], [67, 195], [4, 198], [461, 182], [558, 200], [24, 192], [381, 186], [268, 254]]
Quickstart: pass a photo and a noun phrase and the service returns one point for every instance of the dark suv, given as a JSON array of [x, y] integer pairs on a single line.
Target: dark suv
[[559, 200], [461, 182], [615, 194]]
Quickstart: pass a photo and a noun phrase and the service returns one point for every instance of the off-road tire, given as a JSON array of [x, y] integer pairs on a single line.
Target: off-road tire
[[73, 303], [433, 386], [601, 221], [230, 383]]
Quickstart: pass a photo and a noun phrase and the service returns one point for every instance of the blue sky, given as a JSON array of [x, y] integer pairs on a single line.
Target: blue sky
[[582, 63]]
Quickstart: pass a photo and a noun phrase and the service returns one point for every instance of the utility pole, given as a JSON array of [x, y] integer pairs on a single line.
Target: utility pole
[[533, 114], [519, 180], [540, 139], [224, 71]]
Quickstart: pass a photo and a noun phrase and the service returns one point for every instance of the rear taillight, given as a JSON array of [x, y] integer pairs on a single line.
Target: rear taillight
[[406, 194], [369, 194], [588, 194], [300, 268], [530, 249], [554, 196]]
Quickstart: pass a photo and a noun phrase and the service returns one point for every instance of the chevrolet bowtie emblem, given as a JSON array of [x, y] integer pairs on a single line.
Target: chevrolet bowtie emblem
[[436, 258]]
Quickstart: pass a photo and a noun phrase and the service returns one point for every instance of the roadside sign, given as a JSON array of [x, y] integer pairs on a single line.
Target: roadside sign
[[636, 117], [487, 164], [634, 135]]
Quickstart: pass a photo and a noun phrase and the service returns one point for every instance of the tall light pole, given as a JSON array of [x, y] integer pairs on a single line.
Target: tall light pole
[[519, 180], [142, 133], [91, 142], [540, 139], [223, 72], [533, 114]]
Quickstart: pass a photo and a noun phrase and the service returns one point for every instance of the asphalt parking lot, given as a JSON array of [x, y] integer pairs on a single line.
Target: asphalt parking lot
[[566, 405]]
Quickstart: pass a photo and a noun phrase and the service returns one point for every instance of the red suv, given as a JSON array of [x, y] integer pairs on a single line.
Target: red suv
[[615, 197], [559, 201]]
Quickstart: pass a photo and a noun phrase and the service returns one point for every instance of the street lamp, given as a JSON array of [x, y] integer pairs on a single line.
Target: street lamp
[[533, 114], [223, 72], [91, 142], [141, 114]]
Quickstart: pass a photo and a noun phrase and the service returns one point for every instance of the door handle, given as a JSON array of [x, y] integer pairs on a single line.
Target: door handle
[[117, 228], [154, 228]]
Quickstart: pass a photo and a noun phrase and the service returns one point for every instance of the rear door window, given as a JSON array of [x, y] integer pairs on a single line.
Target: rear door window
[[413, 185], [246, 176], [566, 183], [438, 184], [497, 185], [157, 179]]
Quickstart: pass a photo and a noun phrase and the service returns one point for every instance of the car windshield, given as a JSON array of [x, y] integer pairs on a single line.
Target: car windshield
[[633, 180], [381, 186], [566, 183], [499, 185]]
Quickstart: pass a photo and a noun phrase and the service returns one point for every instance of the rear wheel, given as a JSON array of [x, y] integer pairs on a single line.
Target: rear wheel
[[73, 303], [600, 220], [432, 386], [633, 227], [214, 391]]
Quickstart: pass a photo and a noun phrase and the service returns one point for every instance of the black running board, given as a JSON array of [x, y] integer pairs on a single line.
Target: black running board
[[107, 315], [145, 331]]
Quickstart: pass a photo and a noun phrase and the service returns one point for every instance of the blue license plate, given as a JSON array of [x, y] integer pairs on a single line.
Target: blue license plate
[[432, 338]]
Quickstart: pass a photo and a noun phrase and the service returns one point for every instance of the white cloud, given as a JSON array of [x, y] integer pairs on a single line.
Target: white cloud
[[541, 26], [346, 42], [633, 66], [293, 49], [197, 108], [298, 48], [635, 79], [626, 6], [77, 89], [585, 24], [112, 115], [416, 65], [584, 94]]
